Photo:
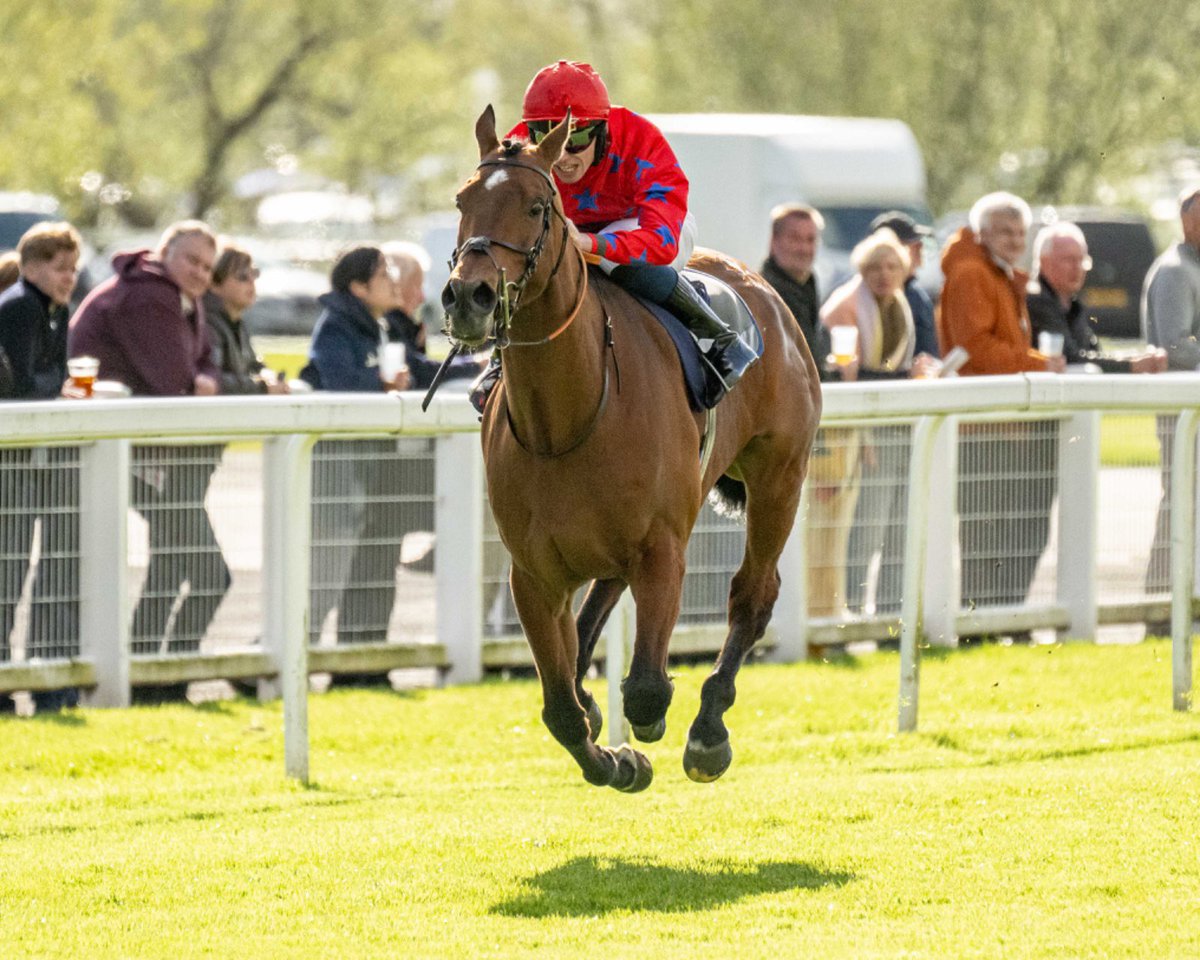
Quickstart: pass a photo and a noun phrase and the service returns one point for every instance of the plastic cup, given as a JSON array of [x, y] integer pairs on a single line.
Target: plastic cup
[[393, 361], [843, 342], [1050, 343], [83, 371]]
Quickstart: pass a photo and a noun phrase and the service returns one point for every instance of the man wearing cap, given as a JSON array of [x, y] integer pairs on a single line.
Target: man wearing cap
[[912, 234], [1171, 320]]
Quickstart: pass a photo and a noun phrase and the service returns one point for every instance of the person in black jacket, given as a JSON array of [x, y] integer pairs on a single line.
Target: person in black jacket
[[41, 483], [231, 294], [1061, 255], [352, 478], [795, 236]]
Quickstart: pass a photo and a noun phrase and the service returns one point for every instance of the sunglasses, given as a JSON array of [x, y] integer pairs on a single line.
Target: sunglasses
[[578, 140]]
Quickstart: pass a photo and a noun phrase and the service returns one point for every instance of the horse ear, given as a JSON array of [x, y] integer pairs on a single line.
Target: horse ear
[[485, 132], [551, 147]]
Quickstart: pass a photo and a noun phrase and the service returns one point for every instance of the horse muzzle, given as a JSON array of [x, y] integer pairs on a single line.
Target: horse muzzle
[[469, 306]]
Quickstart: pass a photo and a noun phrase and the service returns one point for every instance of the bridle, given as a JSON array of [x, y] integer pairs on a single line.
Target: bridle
[[510, 293], [510, 296]]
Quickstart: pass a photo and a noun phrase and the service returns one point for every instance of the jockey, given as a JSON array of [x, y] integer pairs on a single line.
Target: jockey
[[625, 198]]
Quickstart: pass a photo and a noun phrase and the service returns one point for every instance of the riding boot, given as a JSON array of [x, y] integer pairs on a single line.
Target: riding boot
[[481, 387], [729, 355]]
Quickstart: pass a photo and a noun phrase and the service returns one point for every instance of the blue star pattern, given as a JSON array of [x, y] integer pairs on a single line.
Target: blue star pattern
[[642, 167], [640, 258], [614, 163], [658, 191], [587, 200], [608, 238], [666, 238]]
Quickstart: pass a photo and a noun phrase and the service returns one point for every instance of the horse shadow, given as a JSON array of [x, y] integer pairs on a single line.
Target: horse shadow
[[588, 886]]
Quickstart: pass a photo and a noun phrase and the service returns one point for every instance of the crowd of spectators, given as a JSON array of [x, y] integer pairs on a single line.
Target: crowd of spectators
[[190, 295]]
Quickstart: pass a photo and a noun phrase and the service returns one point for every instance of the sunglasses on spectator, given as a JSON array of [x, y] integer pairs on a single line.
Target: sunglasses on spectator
[[247, 275], [578, 141]]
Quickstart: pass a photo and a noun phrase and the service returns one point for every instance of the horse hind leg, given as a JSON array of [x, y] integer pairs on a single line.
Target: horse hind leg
[[771, 505], [550, 630], [602, 597]]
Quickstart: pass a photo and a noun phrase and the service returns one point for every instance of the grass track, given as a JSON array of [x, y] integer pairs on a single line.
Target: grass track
[[1050, 807]]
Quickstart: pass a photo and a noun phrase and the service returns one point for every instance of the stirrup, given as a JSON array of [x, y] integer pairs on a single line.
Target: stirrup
[[482, 386], [730, 360]]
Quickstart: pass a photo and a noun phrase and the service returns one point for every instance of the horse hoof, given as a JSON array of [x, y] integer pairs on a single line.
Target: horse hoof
[[634, 771], [595, 721], [651, 733], [704, 764]]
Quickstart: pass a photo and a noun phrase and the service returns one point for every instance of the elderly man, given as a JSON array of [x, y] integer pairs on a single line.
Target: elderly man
[[1006, 471], [1171, 320], [1061, 255], [146, 326], [795, 236]]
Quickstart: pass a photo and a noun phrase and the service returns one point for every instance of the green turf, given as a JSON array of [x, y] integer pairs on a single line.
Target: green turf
[[1049, 807], [1128, 441]]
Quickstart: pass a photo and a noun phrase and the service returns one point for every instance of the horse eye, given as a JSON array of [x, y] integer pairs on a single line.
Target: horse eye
[[537, 208]]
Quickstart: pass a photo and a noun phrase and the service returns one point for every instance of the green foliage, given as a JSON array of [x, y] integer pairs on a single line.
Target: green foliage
[[1046, 809], [165, 103]]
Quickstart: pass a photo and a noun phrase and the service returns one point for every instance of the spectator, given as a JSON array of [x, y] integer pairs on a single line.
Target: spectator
[[874, 302], [1061, 254], [912, 235], [10, 269], [352, 479], [1006, 471], [231, 294], [146, 326], [795, 236], [1171, 321], [43, 483], [411, 263]]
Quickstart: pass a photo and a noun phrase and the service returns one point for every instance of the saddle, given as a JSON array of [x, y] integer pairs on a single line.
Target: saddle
[[703, 387]]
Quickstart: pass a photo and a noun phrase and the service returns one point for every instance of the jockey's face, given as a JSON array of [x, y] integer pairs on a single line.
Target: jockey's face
[[572, 166]]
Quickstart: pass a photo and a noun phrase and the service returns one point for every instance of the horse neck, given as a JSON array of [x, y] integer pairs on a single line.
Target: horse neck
[[554, 389]]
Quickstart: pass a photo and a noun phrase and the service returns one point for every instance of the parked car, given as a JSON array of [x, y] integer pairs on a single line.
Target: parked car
[[21, 210]]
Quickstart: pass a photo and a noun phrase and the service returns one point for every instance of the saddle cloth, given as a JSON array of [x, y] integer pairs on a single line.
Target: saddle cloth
[[704, 388]]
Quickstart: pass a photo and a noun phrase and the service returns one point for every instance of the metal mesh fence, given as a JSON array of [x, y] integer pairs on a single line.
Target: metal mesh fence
[[39, 553], [372, 541], [1008, 475]]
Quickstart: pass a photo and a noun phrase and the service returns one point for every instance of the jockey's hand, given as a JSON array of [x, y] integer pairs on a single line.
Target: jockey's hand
[[583, 242]]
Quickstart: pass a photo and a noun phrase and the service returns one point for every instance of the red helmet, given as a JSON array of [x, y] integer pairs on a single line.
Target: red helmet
[[565, 85]]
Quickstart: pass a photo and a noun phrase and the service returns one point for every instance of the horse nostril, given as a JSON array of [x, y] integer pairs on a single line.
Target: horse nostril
[[484, 297], [449, 296]]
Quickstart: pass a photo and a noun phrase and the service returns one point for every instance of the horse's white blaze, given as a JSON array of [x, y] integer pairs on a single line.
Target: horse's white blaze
[[497, 178]]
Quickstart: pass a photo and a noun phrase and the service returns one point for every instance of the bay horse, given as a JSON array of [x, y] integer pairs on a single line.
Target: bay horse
[[592, 456]]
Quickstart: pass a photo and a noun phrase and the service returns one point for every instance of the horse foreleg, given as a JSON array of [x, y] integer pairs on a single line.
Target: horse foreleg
[[550, 630], [602, 596], [657, 590], [752, 597]]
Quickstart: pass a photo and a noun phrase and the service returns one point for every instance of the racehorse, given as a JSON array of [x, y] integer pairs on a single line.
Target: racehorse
[[592, 455]]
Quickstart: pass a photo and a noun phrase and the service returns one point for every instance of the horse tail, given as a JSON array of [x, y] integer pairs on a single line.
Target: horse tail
[[728, 497]]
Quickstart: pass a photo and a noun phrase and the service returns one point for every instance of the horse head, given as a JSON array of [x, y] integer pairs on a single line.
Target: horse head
[[507, 207]]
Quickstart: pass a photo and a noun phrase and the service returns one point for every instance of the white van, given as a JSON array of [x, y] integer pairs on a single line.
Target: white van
[[741, 165]]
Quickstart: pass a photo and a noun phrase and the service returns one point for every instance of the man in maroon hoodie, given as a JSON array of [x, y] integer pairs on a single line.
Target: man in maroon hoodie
[[146, 327]]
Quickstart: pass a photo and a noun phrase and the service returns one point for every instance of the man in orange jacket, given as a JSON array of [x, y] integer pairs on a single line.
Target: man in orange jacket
[[1007, 472]]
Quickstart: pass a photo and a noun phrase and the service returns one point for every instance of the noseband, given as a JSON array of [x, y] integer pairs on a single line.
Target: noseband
[[510, 293]]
